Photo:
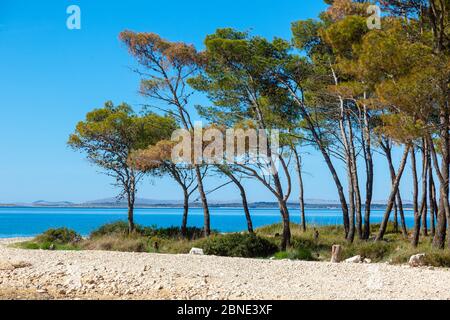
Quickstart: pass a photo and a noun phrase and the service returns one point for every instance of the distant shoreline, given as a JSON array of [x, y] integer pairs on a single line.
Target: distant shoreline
[[224, 206]]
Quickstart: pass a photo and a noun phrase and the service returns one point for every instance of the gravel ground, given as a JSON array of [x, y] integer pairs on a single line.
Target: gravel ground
[[36, 274]]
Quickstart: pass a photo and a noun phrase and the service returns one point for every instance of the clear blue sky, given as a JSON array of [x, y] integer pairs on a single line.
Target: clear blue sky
[[51, 76]]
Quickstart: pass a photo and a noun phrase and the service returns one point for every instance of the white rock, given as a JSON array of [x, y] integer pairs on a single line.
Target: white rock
[[197, 251], [417, 260], [355, 259], [366, 260]]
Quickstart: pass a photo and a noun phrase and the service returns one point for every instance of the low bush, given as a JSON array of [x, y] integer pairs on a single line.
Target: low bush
[[192, 233], [239, 245], [59, 236], [296, 254], [114, 228], [121, 228]]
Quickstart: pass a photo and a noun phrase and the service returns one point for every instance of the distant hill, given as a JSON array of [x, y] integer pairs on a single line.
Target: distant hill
[[146, 203], [43, 203]]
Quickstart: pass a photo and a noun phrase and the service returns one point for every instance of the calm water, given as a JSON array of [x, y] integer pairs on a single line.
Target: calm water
[[16, 222]]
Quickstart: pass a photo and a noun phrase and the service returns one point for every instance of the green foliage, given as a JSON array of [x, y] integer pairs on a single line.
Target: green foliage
[[114, 228], [345, 34], [110, 134], [120, 228], [237, 64], [239, 245], [192, 233], [59, 236], [304, 254]]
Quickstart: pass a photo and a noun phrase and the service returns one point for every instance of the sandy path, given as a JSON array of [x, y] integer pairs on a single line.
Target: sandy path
[[113, 275]]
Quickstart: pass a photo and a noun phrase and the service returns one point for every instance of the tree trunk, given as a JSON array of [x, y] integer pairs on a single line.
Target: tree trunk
[[286, 241], [369, 173], [355, 181], [432, 199], [246, 210], [351, 201], [201, 190], [185, 213], [394, 192], [402, 215], [424, 205], [395, 217], [443, 209], [131, 226], [243, 197], [326, 157], [188, 126], [417, 217], [298, 162], [130, 191], [398, 198], [439, 237]]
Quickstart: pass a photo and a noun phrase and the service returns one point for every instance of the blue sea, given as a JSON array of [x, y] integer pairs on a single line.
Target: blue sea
[[26, 221]]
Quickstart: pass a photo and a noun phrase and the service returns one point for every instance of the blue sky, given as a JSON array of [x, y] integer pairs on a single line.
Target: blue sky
[[51, 76]]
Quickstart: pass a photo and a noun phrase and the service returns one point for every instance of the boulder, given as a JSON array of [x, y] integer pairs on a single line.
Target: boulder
[[417, 260], [355, 259], [196, 251]]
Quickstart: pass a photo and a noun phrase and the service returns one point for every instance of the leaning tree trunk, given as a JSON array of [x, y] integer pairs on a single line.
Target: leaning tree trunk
[[395, 217], [298, 162], [398, 197], [201, 190], [391, 198], [243, 197], [417, 217], [326, 156], [402, 215], [286, 241]]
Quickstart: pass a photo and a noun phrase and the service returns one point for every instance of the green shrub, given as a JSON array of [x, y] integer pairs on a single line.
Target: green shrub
[[296, 254], [114, 228], [192, 233], [239, 245], [59, 236], [121, 228]]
